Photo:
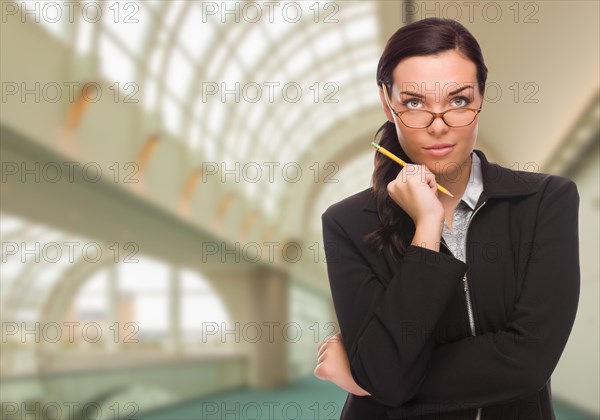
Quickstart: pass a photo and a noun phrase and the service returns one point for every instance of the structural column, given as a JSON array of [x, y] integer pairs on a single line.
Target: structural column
[[269, 355]]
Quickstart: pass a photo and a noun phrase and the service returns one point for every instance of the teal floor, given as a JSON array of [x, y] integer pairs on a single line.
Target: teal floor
[[308, 398]]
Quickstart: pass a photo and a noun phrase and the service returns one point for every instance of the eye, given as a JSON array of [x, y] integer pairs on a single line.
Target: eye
[[460, 101], [411, 103]]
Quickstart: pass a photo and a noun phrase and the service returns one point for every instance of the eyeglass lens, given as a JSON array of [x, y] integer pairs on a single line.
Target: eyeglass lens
[[455, 117]]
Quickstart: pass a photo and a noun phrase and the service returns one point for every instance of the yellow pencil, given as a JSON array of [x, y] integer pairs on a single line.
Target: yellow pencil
[[395, 158]]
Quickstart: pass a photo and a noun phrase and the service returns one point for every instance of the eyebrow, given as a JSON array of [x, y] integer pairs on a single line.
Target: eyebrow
[[454, 92]]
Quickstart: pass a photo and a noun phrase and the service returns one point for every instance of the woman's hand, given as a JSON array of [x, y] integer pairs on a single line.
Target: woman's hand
[[415, 190], [333, 365]]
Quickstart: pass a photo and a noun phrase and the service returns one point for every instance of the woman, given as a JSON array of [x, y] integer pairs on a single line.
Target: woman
[[449, 307]]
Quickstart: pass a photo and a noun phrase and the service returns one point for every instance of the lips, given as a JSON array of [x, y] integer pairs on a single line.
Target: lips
[[440, 149], [439, 146]]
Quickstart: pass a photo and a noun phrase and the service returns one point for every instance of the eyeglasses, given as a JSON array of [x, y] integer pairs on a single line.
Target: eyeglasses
[[421, 118]]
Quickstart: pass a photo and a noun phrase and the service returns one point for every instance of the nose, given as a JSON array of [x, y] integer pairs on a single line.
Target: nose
[[437, 126]]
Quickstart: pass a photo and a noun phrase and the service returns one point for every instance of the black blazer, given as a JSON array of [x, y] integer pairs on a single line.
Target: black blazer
[[405, 324]]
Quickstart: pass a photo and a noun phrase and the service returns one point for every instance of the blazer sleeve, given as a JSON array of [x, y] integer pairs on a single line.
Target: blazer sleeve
[[518, 361], [384, 330]]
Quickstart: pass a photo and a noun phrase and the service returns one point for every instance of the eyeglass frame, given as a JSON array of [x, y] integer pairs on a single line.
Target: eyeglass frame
[[434, 114]]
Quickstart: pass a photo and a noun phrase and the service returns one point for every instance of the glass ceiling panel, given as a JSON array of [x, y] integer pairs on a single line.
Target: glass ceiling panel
[[254, 117], [294, 43], [279, 28], [244, 52], [330, 70], [216, 115], [296, 145], [252, 47], [366, 70], [129, 22], [341, 89], [226, 82], [198, 107], [179, 74], [298, 62], [156, 59], [174, 8], [233, 36], [171, 115], [85, 31], [358, 30], [345, 109], [268, 136], [332, 40], [215, 63], [329, 42], [195, 35], [154, 4], [116, 65]]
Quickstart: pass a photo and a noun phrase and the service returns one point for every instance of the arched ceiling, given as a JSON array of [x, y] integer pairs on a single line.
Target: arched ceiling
[[177, 51]]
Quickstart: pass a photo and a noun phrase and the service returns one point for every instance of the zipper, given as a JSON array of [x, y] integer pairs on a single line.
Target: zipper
[[469, 307], [467, 294], [466, 288]]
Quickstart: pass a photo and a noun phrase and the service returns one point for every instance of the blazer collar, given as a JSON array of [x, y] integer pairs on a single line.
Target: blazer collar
[[498, 181]]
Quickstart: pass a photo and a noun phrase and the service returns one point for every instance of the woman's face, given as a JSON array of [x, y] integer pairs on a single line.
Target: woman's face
[[431, 83]]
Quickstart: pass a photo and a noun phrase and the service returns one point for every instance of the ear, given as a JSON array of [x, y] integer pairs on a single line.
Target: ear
[[386, 108]]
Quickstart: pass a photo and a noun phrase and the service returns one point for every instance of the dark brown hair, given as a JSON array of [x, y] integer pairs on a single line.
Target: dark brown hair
[[424, 37]]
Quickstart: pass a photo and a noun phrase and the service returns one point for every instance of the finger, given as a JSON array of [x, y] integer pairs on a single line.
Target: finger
[[322, 349], [323, 343], [320, 372], [430, 179], [321, 357], [433, 184]]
